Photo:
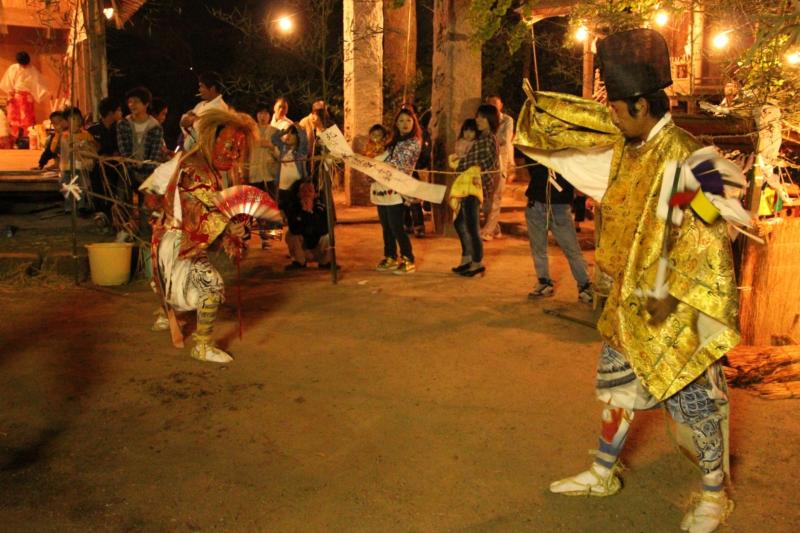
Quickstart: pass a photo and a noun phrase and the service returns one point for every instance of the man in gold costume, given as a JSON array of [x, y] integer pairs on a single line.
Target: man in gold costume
[[663, 332]]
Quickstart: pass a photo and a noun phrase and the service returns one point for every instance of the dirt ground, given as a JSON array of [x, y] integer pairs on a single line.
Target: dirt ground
[[428, 402]]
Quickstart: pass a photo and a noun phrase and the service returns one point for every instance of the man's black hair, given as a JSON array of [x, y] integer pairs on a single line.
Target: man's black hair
[[23, 58], [54, 114], [70, 112], [657, 103], [263, 106], [490, 113], [107, 106], [142, 93], [211, 79], [157, 106], [379, 127]]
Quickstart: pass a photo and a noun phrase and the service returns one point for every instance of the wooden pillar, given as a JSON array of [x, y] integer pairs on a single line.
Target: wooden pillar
[[97, 63], [456, 87], [400, 38], [363, 84]]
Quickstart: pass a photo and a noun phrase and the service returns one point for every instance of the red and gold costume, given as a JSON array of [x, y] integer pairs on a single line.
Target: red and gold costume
[[24, 88], [190, 224]]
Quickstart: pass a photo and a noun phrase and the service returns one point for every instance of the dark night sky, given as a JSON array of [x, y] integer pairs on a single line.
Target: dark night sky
[[163, 47], [168, 42]]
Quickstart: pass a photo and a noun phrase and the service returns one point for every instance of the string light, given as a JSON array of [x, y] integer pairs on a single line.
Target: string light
[[793, 58], [721, 40], [108, 12], [285, 24], [661, 18]]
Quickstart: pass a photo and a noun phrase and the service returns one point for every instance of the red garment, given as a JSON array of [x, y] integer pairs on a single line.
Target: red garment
[[374, 149], [201, 222], [20, 113]]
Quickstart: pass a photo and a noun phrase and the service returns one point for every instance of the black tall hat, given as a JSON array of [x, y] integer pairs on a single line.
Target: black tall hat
[[634, 63]]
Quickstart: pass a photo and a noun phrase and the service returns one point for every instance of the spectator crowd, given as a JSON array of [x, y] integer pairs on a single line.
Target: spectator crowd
[[127, 138]]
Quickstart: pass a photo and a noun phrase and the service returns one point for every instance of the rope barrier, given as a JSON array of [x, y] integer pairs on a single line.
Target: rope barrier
[[120, 165]]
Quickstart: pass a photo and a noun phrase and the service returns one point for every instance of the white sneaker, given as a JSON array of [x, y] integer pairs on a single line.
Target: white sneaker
[[209, 352], [586, 294], [543, 290], [161, 324], [711, 510], [597, 481]]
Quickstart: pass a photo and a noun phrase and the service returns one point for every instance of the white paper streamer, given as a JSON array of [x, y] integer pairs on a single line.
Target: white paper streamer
[[383, 173], [72, 189]]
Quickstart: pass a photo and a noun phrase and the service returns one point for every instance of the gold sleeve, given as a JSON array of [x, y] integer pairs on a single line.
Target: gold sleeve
[[552, 121], [702, 273]]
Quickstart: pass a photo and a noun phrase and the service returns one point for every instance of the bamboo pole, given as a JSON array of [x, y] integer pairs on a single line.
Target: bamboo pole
[[326, 173], [588, 69], [326, 165], [71, 141]]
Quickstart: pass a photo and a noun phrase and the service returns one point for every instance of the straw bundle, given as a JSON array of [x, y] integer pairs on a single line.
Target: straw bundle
[[771, 371], [770, 280]]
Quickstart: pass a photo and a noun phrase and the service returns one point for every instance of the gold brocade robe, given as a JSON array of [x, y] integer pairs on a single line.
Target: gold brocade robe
[[668, 356]]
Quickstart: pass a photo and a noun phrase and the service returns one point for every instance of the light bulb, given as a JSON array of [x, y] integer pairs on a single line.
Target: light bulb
[[285, 24], [721, 40]]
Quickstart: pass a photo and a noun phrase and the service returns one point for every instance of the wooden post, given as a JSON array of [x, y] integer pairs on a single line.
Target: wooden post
[[588, 69]]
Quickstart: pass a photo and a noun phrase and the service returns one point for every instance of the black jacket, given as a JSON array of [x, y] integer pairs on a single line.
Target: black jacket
[[106, 138], [312, 226], [537, 188]]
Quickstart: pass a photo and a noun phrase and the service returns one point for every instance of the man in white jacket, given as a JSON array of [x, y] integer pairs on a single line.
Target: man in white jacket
[[505, 148]]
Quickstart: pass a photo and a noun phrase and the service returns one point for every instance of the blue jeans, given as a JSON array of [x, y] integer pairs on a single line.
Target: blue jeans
[[468, 228], [563, 228]]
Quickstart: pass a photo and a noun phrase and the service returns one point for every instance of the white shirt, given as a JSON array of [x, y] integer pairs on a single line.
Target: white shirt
[[139, 127], [23, 79], [281, 123], [201, 107], [217, 103], [289, 173], [505, 139]]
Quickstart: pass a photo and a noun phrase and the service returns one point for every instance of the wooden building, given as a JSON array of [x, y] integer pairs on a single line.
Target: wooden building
[[46, 29], [696, 69]]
